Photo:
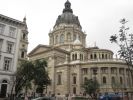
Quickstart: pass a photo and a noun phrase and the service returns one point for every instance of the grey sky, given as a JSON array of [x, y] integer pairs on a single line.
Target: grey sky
[[99, 18]]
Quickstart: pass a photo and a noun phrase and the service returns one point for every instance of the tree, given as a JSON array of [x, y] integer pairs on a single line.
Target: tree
[[125, 41], [23, 77], [29, 73], [91, 86], [41, 78]]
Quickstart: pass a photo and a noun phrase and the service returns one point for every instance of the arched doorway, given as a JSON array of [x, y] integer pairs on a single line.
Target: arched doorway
[[3, 89]]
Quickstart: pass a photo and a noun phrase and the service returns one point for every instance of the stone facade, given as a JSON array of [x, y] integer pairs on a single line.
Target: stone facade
[[70, 62], [13, 49]]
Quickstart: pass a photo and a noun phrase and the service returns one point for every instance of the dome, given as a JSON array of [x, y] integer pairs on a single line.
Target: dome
[[67, 17]]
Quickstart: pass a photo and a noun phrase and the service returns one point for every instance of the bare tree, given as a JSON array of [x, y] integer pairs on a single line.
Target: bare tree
[[125, 41]]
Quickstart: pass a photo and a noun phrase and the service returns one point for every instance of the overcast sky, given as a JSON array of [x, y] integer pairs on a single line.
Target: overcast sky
[[98, 18]]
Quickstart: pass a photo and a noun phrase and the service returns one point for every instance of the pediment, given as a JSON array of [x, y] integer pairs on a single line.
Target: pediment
[[39, 49]]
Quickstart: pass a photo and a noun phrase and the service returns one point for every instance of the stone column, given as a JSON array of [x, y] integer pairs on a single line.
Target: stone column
[[79, 79], [99, 75], [109, 78]]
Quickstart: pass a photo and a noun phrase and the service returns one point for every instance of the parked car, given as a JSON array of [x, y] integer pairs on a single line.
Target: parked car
[[110, 97]]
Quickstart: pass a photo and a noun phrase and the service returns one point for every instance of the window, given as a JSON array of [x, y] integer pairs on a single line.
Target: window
[[85, 79], [79, 38], [113, 70], [121, 81], [106, 56], [12, 31], [104, 80], [56, 40], [62, 38], [69, 37], [85, 71], [121, 71], [102, 56], [127, 72], [9, 47], [113, 80], [7, 64], [24, 36], [75, 56], [104, 70], [72, 56], [2, 28], [22, 54], [74, 80], [0, 57], [74, 90], [59, 79], [74, 37], [81, 56], [91, 56], [1, 42], [95, 56]]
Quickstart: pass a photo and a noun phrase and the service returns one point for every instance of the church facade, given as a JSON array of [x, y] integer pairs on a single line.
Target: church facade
[[70, 62]]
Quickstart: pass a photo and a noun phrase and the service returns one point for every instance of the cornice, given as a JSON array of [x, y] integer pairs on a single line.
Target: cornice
[[11, 20]]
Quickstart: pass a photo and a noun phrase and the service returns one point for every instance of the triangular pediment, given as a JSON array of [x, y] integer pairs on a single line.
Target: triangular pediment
[[38, 49]]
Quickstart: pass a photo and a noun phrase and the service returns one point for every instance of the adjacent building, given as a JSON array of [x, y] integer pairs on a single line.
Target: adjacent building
[[13, 49], [70, 62]]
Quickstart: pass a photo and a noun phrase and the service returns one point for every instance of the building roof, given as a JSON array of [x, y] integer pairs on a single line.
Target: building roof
[[6, 18], [67, 16]]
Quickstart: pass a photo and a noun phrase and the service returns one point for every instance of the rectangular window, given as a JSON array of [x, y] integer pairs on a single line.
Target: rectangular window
[[2, 28], [85, 71], [12, 31], [113, 70], [121, 71], [104, 70], [1, 42], [7, 64], [9, 47], [59, 78]]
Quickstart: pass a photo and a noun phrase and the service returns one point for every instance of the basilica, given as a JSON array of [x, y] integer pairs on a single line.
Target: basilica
[[71, 62]]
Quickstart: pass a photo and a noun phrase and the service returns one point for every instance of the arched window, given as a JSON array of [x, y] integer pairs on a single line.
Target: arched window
[[102, 56], [74, 90], [95, 56], [74, 37], [24, 36], [4, 81], [74, 80], [62, 38], [113, 80], [121, 81], [56, 39], [69, 37], [81, 57], [79, 38], [22, 54], [91, 56], [106, 56], [85, 79], [75, 56], [104, 80]]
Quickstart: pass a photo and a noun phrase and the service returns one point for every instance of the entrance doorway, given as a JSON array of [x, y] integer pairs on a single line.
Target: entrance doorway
[[3, 89]]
